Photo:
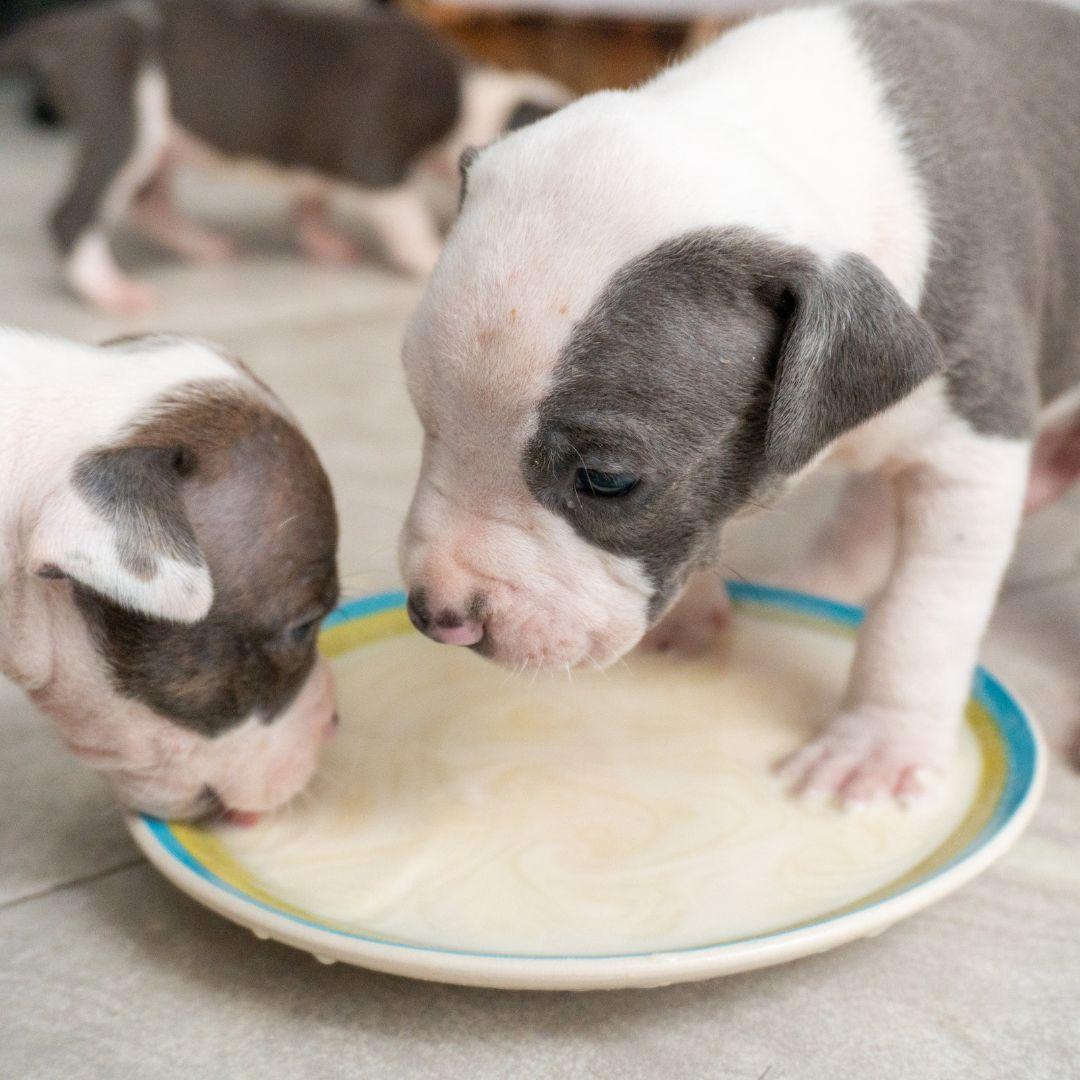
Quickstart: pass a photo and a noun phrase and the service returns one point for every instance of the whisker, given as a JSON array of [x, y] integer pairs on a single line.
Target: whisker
[[730, 570]]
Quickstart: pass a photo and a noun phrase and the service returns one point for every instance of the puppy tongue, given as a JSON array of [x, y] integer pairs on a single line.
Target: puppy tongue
[[243, 818]]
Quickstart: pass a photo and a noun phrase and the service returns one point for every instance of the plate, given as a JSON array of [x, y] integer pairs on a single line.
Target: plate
[[495, 837]]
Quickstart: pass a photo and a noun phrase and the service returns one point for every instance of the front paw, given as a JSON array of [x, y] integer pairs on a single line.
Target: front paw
[[692, 626], [866, 756], [416, 259]]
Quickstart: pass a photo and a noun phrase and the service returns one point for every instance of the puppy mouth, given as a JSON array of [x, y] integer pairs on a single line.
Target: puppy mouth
[[486, 647], [211, 808], [584, 650]]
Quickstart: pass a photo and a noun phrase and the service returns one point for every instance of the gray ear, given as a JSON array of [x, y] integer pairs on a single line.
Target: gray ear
[[120, 528], [851, 347], [528, 112], [468, 156]]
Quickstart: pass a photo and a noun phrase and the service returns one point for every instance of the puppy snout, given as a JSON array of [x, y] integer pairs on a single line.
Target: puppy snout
[[445, 624]]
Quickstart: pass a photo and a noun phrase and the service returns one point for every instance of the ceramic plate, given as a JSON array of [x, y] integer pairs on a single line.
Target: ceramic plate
[[625, 874]]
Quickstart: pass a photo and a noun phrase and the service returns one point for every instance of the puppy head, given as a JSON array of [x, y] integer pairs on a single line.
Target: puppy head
[[178, 574], [599, 398]]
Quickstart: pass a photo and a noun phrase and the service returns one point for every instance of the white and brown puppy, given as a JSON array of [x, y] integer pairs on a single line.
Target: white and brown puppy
[[167, 551], [851, 232], [361, 100]]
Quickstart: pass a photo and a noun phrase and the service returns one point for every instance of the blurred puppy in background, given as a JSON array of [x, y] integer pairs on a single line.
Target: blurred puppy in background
[[364, 100]]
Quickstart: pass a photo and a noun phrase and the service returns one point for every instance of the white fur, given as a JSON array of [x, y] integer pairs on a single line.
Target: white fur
[[960, 498], [527, 561], [152, 125], [780, 126], [553, 211], [60, 400]]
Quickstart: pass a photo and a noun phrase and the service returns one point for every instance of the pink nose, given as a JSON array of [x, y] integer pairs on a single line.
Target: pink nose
[[468, 632], [448, 627]]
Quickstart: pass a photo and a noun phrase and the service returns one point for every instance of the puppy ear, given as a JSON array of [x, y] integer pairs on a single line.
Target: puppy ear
[[468, 156], [850, 347], [120, 529], [528, 112]]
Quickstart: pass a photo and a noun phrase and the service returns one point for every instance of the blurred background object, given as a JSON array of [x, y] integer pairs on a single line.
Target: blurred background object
[[586, 45], [12, 14], [583, 44]]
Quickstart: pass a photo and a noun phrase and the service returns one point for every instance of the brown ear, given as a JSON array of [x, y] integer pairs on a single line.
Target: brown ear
[[850, 348], [120, 529]]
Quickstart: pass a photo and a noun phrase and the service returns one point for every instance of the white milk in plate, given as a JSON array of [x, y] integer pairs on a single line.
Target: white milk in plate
[[623, 811]]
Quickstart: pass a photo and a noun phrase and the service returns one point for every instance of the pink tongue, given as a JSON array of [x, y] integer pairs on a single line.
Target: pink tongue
[[243, 818]]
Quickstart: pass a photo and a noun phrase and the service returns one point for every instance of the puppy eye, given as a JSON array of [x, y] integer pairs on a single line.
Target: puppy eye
[[301, 633], [604, 485]]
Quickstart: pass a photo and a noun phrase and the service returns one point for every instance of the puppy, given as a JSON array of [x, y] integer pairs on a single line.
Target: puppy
[[358, 99], [167, 551], [847, 233]]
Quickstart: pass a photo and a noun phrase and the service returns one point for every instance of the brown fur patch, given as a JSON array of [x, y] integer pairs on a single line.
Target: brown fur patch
[[260, 508]]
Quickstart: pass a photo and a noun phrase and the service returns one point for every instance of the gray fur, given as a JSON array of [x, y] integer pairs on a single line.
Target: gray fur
[[722, 361], [699, 370], [468, 156], [137, 490], [851, 348], [355, 95], [988, 94], [526, 113], [100, 98]]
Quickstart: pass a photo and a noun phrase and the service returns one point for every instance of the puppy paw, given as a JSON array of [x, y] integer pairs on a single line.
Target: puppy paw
[[211, 248], [417, 260], [327, 248], [124, 298], [692, 626], [863, 757]]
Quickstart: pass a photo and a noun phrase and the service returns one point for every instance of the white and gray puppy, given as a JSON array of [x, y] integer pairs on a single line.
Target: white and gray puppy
[[851, 232], [362, 100], [167, 551]]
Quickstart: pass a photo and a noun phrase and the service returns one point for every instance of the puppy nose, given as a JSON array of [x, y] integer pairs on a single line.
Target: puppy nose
[[447, 627]]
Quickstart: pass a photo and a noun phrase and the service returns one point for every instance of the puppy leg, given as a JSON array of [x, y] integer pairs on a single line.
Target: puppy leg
[[121, 108], [1055, 462], [405, 226], [155, 215], [318, 238], [93, 275], [693, 623], [850, 558], [959, 508]]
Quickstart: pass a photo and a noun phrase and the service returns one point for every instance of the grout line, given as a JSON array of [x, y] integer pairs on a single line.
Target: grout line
[[63, 886]]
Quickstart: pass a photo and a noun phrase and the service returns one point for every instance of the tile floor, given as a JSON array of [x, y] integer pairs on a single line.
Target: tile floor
[[107, 971]]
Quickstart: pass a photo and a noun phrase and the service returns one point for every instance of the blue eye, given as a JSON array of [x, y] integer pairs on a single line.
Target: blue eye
[[605, 485]]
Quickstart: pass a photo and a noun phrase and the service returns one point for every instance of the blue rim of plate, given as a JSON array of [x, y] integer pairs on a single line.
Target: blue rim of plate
[[1020, 745]]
